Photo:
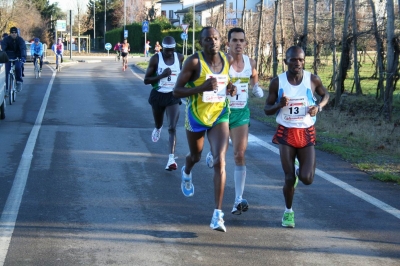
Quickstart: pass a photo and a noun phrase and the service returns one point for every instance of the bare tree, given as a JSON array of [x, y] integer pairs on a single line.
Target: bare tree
[[303, 37], [295, 33], [355, 54], [274, 46], [393, 51], [344, 57]]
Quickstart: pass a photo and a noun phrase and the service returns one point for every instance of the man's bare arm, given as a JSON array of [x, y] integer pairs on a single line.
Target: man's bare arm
[[271, 106]]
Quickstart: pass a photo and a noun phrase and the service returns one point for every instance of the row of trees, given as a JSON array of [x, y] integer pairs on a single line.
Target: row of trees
[[341, 28]]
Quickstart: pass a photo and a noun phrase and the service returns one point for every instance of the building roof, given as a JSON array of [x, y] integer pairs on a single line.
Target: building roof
[[169, 2], [201, 6]]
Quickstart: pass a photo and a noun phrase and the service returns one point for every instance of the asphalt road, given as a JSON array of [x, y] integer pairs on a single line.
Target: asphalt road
[[81, 183]]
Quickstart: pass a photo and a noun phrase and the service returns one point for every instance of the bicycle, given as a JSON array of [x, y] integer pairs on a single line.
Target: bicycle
[[12, 83], [37, 67], [58, 62]]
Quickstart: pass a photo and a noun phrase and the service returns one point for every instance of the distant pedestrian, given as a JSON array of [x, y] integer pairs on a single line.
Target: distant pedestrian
[[157, 48], [147, 49]]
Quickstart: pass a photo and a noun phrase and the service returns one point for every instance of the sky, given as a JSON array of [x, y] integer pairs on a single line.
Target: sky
[[70, 4]]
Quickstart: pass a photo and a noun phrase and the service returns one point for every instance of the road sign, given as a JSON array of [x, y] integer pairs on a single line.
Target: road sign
[[125, 33], [185, 27], [61, 25], [108, 46], [184, 36], [231, 22], [145, 26]]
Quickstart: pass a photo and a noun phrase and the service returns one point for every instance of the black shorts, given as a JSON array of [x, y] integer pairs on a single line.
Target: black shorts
[[124, 54], [162, 100]]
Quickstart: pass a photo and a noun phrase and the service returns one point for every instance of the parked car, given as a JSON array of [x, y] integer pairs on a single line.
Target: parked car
[[29, 57], [2, 91]]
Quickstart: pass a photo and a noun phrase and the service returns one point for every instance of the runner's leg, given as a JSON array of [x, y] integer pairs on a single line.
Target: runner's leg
[[288, 155], [172, 112], [307, 163], [196, 143], [239, 137]]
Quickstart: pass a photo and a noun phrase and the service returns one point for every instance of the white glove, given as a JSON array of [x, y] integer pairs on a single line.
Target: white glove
[[257, 91]]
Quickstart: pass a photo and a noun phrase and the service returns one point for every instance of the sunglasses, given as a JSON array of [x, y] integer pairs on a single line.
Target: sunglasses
[[13, 32]]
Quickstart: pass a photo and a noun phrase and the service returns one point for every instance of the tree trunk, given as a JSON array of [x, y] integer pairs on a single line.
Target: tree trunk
[[296, 34], [303, 38], [379, 53], [258, 48], [392, 61], [344, 57], [315, 63], [282, 24], [244, 8], [355, 54], [274, 48], [333, 82]]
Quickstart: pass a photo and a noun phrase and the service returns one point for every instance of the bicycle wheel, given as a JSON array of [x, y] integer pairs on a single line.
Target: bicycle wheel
[[36, 70], [10, 88], [3, 110]]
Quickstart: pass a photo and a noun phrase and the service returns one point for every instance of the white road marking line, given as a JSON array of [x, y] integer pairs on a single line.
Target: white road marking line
[[362, 195], [11, 208]]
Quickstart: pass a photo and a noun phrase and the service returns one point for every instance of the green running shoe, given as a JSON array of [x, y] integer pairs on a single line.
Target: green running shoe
[[288, 219]]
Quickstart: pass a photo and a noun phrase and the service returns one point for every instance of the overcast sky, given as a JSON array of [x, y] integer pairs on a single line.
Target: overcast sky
[[70, 4]]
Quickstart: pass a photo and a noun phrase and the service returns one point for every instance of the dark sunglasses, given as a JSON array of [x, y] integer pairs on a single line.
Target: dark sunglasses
[[13, 32]]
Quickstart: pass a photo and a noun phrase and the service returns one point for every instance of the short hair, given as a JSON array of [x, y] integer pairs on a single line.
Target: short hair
[[235, 30], [207, 28], [292, 49]]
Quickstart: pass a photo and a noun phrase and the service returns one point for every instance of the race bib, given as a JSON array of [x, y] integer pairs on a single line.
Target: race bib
[[169, 82], [240, 99], [219, 95], [295, 111]]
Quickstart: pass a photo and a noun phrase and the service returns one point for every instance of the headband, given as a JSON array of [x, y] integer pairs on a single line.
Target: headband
[[168, 45]]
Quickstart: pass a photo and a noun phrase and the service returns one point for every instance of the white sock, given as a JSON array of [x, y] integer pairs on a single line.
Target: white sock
[[288, 210], [240, 178], [171, 156]]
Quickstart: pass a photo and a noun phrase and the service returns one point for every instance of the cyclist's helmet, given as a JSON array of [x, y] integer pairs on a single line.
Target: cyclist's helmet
[[36, 40]]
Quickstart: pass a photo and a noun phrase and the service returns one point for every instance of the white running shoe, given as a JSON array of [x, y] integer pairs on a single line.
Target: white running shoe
[[171, 165], [155, 136], [186, 184], [240, 205], [217, 221], [210, 160]]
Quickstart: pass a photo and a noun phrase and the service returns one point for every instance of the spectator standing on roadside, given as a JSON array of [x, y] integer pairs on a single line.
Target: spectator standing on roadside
[[157, 48], [147, 48], [291, 97]]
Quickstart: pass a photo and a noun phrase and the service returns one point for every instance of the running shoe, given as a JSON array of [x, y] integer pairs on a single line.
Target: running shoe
[[288, 219], [210, 160], [18, 88], [296, 171], [186, 185], [155, 136], [171, 165], [240, 205], [217, 221]]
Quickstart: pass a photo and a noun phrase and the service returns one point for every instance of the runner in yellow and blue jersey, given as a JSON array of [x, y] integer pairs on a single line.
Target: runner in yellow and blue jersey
[[204, 80], [244, 75]]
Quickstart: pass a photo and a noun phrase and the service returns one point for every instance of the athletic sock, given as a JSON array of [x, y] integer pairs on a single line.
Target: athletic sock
[[240, 178], [288, 210]]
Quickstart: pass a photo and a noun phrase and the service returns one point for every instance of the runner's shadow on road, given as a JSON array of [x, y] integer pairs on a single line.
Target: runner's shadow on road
[[165, 234]]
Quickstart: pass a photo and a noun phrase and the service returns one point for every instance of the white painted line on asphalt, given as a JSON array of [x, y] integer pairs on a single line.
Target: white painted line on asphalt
[[10, 211], [374, 201]]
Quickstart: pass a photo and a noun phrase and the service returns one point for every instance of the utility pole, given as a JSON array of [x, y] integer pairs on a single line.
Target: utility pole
[[105, 20], [94, 24], [194, 22]]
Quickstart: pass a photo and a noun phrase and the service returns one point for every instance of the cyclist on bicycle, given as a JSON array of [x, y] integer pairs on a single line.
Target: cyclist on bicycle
[[125, 48], [117, 49], [58, 49], [14, 46], [37, 51]]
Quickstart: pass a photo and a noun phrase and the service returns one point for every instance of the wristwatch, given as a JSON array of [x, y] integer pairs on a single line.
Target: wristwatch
[[319, 108]]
